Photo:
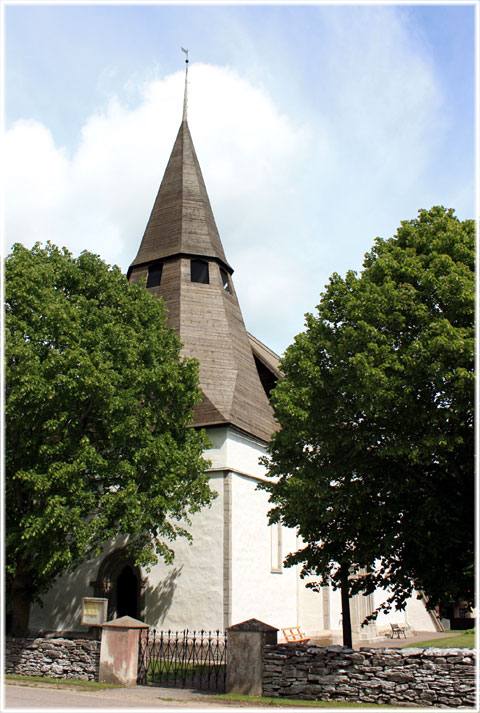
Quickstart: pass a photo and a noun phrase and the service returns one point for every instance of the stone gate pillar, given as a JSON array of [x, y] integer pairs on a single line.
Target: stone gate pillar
[[245, 644], [119, 651]]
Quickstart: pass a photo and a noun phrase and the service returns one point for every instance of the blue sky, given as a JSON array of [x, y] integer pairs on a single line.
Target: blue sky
[[318, 128]]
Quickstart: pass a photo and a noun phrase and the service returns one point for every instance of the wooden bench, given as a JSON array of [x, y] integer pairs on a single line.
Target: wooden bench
[[294, 635], [398, 630]]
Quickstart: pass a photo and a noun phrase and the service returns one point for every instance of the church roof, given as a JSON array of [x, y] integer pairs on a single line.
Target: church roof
[[268, 357], [181, 222], [236, 371]]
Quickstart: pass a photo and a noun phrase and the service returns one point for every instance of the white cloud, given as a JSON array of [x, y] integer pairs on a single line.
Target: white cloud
[[293, 202], [100, 198], [386, 112], [37, 178]]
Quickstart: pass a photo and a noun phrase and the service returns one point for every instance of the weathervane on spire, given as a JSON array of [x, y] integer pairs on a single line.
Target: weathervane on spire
[[186, 80]]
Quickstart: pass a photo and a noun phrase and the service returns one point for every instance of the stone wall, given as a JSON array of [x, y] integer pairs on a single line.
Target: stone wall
[[54, 658], [415, 677]]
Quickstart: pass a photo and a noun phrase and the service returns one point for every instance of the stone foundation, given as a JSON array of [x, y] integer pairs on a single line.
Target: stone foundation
[[54, 658]]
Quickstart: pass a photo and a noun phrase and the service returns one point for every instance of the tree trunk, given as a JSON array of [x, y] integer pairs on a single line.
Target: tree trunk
[[21, 601], [346, 621]]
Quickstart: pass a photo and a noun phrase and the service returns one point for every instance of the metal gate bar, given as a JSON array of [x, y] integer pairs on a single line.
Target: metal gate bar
[[183, 659]]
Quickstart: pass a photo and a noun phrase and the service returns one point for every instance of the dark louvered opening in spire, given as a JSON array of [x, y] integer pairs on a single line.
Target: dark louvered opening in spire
[[225, 280], [199, 271], [154, 277]]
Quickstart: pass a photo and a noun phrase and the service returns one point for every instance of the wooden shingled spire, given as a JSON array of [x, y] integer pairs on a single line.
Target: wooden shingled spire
[[181, 222], [182, 257]]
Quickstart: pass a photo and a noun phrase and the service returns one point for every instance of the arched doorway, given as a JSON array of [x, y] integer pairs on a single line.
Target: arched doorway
[[126, 589], [120, 581]]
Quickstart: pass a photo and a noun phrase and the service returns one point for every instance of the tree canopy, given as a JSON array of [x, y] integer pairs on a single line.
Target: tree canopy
[[374, 460], [97, 407]]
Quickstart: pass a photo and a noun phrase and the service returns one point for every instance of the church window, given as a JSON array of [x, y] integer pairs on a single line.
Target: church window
[[154, 274], [225, 280], [199, 271], [276, 543]]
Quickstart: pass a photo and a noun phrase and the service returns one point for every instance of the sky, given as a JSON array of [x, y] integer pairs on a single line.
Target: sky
[[318, 127]]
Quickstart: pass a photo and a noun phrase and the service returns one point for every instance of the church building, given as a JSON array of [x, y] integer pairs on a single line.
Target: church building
[[233, 570]]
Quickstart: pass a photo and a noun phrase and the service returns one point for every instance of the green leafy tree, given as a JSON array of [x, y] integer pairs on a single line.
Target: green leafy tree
[[374, 461], [97, 407]]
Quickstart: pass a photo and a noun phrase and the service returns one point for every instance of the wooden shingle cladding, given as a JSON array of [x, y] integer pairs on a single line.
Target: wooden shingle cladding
[[181, 221], [206, 315]]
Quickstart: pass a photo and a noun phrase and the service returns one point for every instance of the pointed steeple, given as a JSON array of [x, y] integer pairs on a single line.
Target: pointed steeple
[[181, 222], [182, 256], [185, 94]]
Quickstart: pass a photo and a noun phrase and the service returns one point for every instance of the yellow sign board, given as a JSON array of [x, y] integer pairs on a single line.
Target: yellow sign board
[[94, 611], [90, 608]]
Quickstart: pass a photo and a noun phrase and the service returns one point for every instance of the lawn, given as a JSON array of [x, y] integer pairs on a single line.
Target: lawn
[[464, 639], [162, 671], [258, 701], [76, 683]]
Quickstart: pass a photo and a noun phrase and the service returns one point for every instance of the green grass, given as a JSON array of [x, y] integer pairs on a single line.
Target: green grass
[[82, 685], [285, 702], [465, 639], [166, 670]]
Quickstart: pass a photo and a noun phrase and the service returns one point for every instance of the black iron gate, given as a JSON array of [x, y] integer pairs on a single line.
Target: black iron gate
[[183, 659]]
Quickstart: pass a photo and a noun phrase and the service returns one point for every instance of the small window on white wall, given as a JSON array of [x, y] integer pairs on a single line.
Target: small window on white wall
[[276, 540]]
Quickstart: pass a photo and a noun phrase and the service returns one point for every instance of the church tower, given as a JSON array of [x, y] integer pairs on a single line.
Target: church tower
[[233, 570], [182, 259]]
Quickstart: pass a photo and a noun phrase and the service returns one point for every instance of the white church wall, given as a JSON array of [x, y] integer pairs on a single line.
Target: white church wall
[[257, 592], [244, 453], [228, 573], [235, 451], [414, 614], [278, 598], [314, 608], [62, 604], [417, 615], [335, 610], [217, 454], [189, 593], [186, 594]]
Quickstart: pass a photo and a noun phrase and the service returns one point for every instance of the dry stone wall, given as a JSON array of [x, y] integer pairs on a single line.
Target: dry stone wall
[[415, 677], [54, 658]]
